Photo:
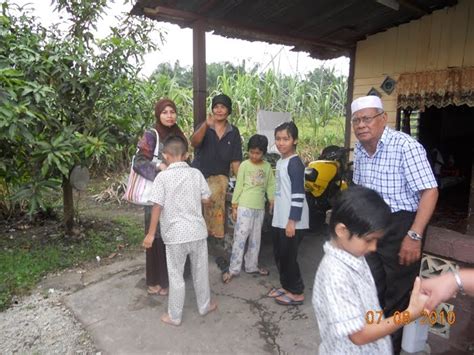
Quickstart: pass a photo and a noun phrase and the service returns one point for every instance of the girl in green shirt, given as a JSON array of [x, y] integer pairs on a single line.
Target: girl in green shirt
[[255, 182]]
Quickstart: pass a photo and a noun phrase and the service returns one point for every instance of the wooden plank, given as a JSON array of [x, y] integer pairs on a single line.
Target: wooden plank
[[468, 60], [437, 19], [390, 106], [392, 119], [364, 89], [368, 58], [444, 40], [390, 50], [402, 48], [377, 50], [362, 64], [422, 50], [413, 43], [374, 80], [458, 34]]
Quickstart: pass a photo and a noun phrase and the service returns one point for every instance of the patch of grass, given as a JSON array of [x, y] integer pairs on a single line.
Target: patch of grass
[[26, 260], [133, 228]]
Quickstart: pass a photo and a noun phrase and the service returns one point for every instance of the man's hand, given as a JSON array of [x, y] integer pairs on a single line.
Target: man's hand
[[290, 230], [148, 241], [410, 251]]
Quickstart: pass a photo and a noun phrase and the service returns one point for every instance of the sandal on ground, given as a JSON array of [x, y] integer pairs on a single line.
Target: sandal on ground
[[154, 290], [285, 300], [276, 292], [227, 277], [261, 271]]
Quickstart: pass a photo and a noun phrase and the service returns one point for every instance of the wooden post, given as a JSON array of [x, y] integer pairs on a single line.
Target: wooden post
[[350, 94], [470, 212], [199, 73]]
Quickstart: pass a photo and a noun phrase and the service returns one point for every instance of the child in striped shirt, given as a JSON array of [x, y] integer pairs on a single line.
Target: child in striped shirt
[[290, 216]]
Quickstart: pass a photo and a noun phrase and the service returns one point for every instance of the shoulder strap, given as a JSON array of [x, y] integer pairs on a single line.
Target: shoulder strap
[[157, 146]]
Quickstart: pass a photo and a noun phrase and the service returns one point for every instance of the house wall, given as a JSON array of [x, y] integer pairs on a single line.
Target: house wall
[[437, 41]]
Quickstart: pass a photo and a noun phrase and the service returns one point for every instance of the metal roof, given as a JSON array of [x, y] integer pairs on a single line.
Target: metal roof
[[323, 28]]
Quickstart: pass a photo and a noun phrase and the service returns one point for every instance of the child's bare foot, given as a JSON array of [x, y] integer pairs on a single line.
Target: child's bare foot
[[165, 318], [163, 292], [227, 277], [212, 307]]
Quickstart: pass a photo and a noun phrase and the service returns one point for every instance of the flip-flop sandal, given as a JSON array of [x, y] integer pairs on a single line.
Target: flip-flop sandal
[[163, 292], [275, 292], [284, 300], [153, 291], [260, 271]]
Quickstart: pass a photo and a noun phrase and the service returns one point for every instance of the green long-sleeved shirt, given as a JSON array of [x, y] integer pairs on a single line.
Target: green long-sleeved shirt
[[254, 181]]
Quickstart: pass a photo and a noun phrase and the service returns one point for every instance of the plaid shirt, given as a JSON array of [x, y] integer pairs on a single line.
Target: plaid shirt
[[398, 170]]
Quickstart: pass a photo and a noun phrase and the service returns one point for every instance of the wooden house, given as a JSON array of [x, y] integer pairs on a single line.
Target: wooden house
[[417, 55]]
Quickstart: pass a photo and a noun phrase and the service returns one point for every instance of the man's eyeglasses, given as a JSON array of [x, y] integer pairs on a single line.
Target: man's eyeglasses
[[365, 119]]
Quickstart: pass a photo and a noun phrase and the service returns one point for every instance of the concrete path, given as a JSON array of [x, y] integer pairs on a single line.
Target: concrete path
[[112, 303]]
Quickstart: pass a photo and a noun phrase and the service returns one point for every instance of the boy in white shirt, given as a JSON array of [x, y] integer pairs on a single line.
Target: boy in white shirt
[[178, 193], [345, 299]]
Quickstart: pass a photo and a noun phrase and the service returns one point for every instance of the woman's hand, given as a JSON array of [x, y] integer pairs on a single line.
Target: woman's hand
[[148, 241], [439, 289], [234, 214], [270, 207]]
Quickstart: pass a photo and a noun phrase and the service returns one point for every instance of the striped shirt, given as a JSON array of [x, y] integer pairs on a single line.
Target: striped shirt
[[398, 170], [343, 293], [290, 199]]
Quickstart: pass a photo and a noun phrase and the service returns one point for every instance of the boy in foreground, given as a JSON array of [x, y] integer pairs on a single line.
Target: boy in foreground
[[178, 193], [345, 299]]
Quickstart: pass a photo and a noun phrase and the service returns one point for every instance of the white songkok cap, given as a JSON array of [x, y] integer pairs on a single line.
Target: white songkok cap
[[370, 101]]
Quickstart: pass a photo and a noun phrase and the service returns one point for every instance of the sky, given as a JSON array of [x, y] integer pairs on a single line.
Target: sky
[[178, 46]]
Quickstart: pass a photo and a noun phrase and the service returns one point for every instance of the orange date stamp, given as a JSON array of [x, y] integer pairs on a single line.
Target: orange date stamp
[[403, 318]]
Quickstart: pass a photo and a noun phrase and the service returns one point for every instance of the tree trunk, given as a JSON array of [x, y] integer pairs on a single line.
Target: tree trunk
[[68, 206]]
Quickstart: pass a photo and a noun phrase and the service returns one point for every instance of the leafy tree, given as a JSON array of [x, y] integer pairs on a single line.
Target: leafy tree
[[62, 95]]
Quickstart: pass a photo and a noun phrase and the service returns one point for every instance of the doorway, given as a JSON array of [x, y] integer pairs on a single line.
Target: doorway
[[448, 136]]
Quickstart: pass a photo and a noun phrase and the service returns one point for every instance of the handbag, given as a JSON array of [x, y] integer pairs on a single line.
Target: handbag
[[138, 188]]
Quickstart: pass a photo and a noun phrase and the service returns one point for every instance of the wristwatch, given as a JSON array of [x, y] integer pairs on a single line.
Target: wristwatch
[[414, 235]]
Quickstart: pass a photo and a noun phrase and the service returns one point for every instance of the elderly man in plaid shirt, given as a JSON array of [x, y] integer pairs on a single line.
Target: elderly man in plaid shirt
[[395, 165]]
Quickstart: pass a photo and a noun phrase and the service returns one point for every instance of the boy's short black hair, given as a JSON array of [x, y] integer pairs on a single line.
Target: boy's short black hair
[[175, 146], [290, 127], [258, 141], [361, 210]]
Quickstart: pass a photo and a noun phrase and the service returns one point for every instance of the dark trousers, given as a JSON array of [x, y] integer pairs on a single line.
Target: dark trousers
[[394, 282], [156, 269], [285, 251]]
